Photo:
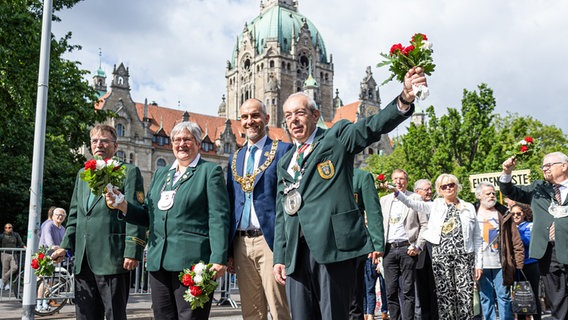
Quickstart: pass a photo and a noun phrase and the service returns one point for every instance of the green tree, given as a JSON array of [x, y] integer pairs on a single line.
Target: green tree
[[70, 110]]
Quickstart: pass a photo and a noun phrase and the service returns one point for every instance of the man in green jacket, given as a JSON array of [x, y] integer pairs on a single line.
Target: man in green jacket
[[106, 248], [319, 232], [549, 239]]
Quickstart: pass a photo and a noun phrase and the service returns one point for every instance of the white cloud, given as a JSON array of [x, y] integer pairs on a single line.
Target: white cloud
[[177, 50]]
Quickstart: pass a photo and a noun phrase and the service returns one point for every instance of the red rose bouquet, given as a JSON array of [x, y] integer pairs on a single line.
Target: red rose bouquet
[[101, 174], [200, 283], [522, 148], [42, 263], [400, 59]]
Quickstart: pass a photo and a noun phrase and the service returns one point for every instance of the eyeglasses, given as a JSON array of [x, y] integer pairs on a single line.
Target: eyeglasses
[[449, 185], [517, 213], [60, 215], [547, 166], [103, 141], [425, 189], [178, 141]]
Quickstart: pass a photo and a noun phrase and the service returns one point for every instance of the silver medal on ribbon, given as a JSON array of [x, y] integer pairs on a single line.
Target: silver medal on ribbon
[[292, 202], [166, 200]]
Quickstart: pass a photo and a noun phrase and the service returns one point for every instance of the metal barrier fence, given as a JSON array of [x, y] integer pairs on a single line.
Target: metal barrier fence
[[14, 259]]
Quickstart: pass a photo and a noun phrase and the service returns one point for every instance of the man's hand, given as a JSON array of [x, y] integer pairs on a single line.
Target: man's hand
[[416, 77], [375, 256], [231, 265], [279, 272], [110, 198], [413, 251], [130, 264], [509, 165], [220, 270], [58, 255]]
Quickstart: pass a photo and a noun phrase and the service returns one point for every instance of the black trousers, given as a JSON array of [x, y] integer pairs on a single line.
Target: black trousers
[[357, 299], [399, 266], [320, 291], [167, 298], [100, 296], [555, 278], [426, 299]]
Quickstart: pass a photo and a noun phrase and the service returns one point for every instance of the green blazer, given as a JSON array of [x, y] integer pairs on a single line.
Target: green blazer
[[540, 195], [195, 228], [329, 217], [367, 200], [98, 234]]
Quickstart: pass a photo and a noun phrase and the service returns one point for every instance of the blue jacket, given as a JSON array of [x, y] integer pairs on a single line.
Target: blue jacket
[[264, 192]]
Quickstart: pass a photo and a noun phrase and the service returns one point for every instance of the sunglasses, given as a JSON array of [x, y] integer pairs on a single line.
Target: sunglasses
[[449, 185], [517, 213]]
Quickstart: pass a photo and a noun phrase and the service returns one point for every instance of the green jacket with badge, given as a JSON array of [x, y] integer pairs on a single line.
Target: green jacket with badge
[[329, 218], [195, 228], [97, 233]]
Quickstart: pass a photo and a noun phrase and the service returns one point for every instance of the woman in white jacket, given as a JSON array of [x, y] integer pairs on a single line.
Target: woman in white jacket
[[456, 242]]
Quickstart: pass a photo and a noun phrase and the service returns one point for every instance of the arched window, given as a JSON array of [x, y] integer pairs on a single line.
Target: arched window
[[121, 156], [120, 130], [161, 163], [206, 146], [227, 148], [132, 158]]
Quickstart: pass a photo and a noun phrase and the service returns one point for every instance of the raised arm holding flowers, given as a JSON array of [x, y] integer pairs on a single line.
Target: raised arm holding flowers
[[401, 59]]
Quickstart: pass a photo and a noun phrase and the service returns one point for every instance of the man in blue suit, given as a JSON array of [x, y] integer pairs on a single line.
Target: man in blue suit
[[251, 183]]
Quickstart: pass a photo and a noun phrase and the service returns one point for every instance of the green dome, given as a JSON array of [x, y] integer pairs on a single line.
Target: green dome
[[100, 73], [280, 23]]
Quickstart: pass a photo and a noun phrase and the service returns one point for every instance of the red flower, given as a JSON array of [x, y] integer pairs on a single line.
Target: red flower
[[524, 149], [40, 256], [91, 165], [407, 50], [529, 139], [195, 291], [424, 37], [187, 280], [395, 48], [381, 177], [35, 264]]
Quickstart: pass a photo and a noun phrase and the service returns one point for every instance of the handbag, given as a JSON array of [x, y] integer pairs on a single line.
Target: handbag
[[523, 299], [476, 301]]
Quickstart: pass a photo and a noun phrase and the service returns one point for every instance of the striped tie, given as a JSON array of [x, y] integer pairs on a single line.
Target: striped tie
[[245, 220], [558, 197]]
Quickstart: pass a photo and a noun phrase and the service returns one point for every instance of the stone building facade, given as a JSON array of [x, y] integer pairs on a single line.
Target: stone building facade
[[263, 67]]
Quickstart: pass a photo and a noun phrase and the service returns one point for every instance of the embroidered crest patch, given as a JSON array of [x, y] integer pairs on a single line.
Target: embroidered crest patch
[[140, 196], [326, 169]]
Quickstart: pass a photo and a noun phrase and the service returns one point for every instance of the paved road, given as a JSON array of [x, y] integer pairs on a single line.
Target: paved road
[[138, 308]]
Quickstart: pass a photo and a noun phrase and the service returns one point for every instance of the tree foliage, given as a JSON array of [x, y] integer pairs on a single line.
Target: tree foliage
[[70, 110], [469, 141]]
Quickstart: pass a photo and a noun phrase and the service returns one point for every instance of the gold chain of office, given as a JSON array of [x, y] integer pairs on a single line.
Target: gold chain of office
[[247, 181]]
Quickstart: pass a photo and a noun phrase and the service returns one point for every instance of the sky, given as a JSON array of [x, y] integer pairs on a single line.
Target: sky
[[176, 50]]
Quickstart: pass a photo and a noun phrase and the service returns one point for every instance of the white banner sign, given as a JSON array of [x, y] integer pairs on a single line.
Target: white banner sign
[[520, 177]]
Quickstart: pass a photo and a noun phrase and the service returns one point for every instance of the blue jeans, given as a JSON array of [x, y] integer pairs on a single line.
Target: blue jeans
[[370, 297], [491, 290]]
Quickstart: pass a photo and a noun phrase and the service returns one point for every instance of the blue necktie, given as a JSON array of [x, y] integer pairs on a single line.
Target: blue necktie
[[245, 220]]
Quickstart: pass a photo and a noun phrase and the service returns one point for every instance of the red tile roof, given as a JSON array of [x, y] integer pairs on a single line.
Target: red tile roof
[[348, 111], [213, 126]]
